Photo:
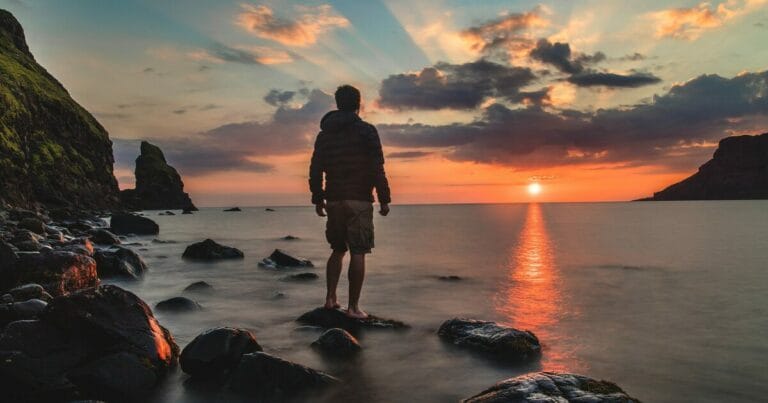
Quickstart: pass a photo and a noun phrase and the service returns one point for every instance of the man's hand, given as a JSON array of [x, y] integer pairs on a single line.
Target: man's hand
[[384, 209], [320, 209]]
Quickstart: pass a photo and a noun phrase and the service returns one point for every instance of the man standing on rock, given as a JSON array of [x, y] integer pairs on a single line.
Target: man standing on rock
[[348, 152]]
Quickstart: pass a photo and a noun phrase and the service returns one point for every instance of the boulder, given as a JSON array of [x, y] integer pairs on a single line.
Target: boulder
[[210, 250], [501, 342], [33, 224], [81, 246], [14, 311], [337, 342], [98, 343], [199, 286], [28, 291], [215, 352], [280, 258], [8, 257], [126, 223], [59, 272], [331, 318], [552, 387], [178, 305], [119, 261], [232, 209], [301, 277], [103, 237], [269, 378], [26, 241]]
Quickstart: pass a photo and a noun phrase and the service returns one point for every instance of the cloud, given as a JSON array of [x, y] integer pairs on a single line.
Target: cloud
[[249, 55], [409, 154], [277, 97], [506, 34], [690, 23], [453, 86], [592, 78], [663, 131], [304, 30]]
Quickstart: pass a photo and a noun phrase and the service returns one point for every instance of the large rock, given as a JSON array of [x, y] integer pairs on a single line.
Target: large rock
[[210, 250], [330, 318], [199, 287], [552, 387], [29, 309], [126, 223], [178, 305], [158, 185], [738, 170], [280, 258], [99, 343], [101, 236], [269, 378], [8, 257], [119, 261], [501, 342], [52, 151], [59, 272], [337, 342], [215, 352]]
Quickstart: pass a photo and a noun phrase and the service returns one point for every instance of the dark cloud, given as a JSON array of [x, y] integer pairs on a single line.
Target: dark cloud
[[148, 70], [408, 154], [277, 97], [668, 130], [180, 111], [229, 54], [633, 57], [453, 86], [591, 78]]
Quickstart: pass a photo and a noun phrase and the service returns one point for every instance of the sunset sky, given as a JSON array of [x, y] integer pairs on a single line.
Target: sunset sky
[[473, 99]]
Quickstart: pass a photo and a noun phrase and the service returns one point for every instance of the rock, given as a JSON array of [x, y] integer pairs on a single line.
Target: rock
[[210, 250], [170, 213], [29, 309], [33, 224], [337, 342], [290, 238], [178, 304], [119, 261], [99, 343], [552, 387], [301, 277], [449, 278], [187, 211], [59, 272], [163, 241], [126, 223], [27, 291], [158, 185], [104, 237], [504, 343], [269, 378], [53, 151], [279, 258], [8, 257], [26, 241], [81, 246], [330, 318], [215, 352], [199, 286], [232, 209], [269, 209]]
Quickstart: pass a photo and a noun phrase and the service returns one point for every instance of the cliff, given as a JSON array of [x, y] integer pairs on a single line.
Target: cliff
[[738, 170], [52, 151], [158, 185]]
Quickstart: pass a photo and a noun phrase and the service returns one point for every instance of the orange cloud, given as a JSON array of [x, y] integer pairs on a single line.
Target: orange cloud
[[690, 23], [302, 31], [507, 33]]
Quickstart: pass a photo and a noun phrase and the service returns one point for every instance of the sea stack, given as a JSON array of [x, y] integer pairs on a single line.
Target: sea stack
[[158, 185], [53, 153]]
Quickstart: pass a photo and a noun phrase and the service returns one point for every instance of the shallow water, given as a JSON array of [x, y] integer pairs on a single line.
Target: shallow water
[[668, 300]]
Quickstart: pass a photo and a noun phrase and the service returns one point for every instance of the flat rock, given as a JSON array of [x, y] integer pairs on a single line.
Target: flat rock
[[215, 352], [178, 304], [269, 378], [280, 258], [337, 342], [542, 387], [210, 250], [336, 318], [119, 261], [199, 286], [301, 277], [126, 223], [501, 342]]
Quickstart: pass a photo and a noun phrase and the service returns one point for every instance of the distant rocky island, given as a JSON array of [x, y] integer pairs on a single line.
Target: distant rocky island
[[737, 171], [158, 185]]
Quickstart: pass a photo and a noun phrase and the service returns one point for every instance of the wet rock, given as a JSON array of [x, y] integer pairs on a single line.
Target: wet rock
[[215, 352], [27, 291], [552, 387], [301, 277], [280, 258], [449, 278], [269, 378], [26, 241], [104, 237], [23, 310], [210, 250], [290, 238], [178, 305], [269, 209], [121, 375], [500, 342], [187, 211], [59, 272], [119, 261], [330, 318], [8, 257], [199, 286], [82, 246], [233, 209], [337, 342], [126, 223], [33, 224], [162, 241]]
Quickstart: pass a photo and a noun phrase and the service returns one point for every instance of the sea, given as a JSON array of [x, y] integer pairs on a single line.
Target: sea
[[667, 299]]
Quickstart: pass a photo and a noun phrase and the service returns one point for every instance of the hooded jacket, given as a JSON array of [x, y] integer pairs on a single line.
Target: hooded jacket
[[348, 152]]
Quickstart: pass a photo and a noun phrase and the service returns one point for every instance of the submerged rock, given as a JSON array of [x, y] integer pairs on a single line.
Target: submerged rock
[[337, 342], [502, 342], [178, 304], [552, 387], [232, 209], [119, 261], [450, 278], [210, 250], [269, 378], [290, 238], [126, 223], [215, 352], [59, 272], [301, 277], [280, 258], [331, 318], [199, 286]]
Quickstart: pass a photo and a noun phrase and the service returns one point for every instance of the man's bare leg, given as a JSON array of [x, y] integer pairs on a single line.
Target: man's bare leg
[[332, 274], [356, 276]]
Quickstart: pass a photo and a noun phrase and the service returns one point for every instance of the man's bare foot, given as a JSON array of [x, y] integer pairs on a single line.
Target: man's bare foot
[[330, 303], [356, 313]]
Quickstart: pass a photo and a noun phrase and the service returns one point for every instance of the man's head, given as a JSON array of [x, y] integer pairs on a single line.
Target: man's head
[[347, 98]]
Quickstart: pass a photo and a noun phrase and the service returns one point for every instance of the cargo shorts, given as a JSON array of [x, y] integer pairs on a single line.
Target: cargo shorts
[[350, 226]]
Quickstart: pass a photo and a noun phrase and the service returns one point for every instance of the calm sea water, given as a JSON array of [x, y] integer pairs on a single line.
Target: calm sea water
[[666, 299]]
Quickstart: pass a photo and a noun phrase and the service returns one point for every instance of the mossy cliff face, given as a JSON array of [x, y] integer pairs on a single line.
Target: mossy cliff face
[[158, 185], [52, 151]]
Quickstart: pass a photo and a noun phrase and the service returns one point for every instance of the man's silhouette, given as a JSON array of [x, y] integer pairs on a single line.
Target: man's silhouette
[[348, 152]]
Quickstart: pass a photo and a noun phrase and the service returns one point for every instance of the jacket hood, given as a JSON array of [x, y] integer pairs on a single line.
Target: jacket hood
[[337, 120]]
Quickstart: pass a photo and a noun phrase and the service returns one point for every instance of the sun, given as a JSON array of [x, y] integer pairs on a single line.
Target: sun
[[534, 189]]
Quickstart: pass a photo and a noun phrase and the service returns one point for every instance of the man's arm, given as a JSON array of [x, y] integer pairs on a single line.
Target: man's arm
[[316, 169], [380, 181]]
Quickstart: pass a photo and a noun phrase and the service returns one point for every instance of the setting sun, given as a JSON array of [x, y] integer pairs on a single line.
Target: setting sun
[[534, 189]]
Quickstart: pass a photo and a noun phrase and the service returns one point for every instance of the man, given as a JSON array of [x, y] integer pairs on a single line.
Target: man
[[348, 152]]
